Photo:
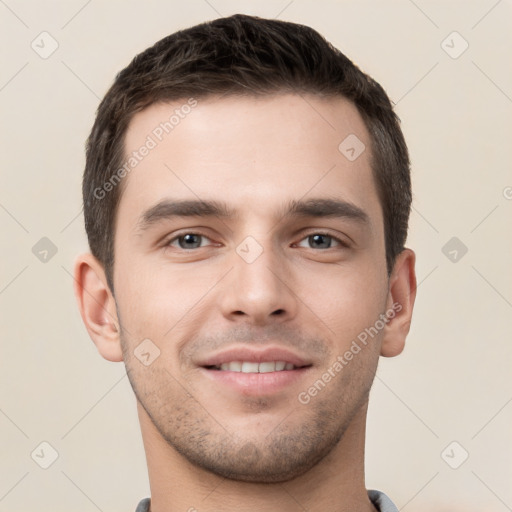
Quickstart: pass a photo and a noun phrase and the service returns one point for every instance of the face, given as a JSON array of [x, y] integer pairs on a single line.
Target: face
[[235, 310]]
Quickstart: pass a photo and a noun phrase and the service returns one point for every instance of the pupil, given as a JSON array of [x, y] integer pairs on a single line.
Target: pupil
[[188, 238], [319, 238]]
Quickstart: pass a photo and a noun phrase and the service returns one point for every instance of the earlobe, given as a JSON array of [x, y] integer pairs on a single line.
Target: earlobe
[[400, 304], [97, 306]]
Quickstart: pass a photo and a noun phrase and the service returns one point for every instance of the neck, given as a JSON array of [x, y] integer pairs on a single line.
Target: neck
[[336, 483]]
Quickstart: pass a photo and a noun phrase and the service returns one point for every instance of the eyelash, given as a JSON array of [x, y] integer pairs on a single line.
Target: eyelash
[[341, 242]]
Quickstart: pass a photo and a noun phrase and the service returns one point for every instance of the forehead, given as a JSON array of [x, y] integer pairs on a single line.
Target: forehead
[[248, 151]]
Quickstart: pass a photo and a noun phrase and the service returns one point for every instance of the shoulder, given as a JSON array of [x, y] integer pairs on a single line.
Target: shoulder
[[143, 505], [381, 501]]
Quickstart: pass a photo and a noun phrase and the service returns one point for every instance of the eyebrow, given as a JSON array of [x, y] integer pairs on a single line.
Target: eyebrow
[[168, 209]]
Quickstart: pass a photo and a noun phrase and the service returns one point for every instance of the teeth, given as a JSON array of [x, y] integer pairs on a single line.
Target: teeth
[[251, 367], [267, 367], [235, 366]]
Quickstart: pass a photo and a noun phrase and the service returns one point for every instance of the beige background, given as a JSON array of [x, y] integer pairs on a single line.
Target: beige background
[[453, 381]]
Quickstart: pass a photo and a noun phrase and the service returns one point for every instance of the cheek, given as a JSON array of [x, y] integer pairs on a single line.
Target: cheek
[[346, 300], [157, 301]]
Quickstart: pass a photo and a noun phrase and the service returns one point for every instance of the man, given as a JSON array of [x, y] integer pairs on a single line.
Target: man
[[246, 200]]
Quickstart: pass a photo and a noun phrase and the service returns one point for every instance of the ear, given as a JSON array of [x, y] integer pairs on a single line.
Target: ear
[[97, 306], [400, 303]]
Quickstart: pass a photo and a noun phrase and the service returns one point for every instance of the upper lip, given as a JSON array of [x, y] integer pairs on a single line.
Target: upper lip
[[255, 355]]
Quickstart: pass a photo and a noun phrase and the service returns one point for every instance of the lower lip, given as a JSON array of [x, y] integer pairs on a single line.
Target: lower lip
[[256, 384]]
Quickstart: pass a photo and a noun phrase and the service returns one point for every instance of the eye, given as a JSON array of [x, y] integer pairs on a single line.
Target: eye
[[187, 240], [323, 241]]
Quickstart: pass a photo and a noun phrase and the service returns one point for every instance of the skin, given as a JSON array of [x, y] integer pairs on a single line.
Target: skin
[[210, 447]]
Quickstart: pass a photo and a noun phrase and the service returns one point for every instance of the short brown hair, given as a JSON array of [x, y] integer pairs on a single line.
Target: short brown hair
[[243, 55]]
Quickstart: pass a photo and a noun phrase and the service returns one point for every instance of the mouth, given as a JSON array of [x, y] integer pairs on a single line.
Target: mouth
[[255, 372], [255, 367]]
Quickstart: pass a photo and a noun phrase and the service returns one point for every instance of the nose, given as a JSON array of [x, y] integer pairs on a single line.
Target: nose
[[259, 290]]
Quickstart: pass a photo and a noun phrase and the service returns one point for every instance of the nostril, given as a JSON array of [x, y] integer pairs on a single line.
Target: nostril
[[277, 312]]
